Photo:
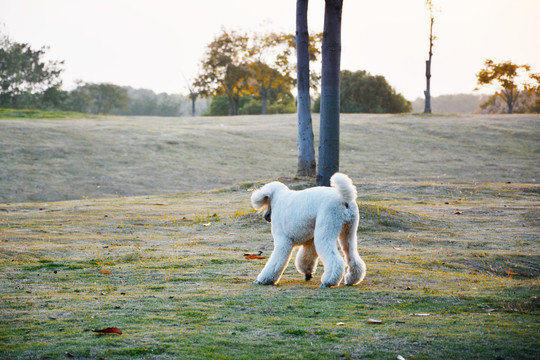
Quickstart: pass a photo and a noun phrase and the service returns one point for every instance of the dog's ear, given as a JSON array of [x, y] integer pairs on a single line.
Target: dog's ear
[[260, 198], [264, 195]]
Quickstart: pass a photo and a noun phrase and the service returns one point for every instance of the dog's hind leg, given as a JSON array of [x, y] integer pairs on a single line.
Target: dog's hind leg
[[326, 244], [277, 263], [348, 241], [306, 259]]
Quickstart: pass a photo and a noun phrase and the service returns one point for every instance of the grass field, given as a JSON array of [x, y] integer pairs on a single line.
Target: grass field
[[450, 234]]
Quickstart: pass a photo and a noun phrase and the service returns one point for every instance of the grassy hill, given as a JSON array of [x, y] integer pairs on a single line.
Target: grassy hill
[[51, 160], [449, 233]]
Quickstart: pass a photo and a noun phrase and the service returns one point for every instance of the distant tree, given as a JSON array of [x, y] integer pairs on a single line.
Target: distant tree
[[224, 69], [450, 104], [306, 151], [266, 78], [527, 102], [194, 92], [506, 75], [99, 98], [427, 93], [54, 98], [141, 102], [268, 61], [24, 75], [219, 106], [78, 99], [361, 92], [240, 65], [331, 63]]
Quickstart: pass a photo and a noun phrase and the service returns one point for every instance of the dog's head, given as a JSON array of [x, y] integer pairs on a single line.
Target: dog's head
[[261, 199]]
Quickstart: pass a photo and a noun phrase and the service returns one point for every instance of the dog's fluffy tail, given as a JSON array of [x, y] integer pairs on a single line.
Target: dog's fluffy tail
[[344, 186]]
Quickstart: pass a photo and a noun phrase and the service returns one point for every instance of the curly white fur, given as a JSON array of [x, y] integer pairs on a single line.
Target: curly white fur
[[312, 219]]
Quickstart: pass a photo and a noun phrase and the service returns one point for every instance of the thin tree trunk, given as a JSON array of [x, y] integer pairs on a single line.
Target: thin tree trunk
[[331, 59], [306, 150], [231, 105], [510, 99], [427, 93], [264, 96], [236, 105], [193, 99]]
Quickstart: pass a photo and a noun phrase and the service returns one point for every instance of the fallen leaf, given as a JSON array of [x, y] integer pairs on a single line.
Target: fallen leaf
[[207, 224], [458, 212], [109, 330], [259, 253], [399, 357], [510, 272], [419, 314], [104, 271], [252, 257], [340, 324], [397, 249], [374, 321], [68, 354]]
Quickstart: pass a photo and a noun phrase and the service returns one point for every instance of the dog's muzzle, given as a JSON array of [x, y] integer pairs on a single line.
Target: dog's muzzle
[[268, 215]]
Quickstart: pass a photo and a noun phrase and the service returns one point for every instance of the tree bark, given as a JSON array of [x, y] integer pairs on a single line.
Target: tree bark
[[331, 63], [306, 150], [264, 96], [231, 105], [510, 103], [236, 105], [427, 93], [193, 99]]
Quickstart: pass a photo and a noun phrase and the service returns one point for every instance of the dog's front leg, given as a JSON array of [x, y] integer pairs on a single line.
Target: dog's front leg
[[277, 263]]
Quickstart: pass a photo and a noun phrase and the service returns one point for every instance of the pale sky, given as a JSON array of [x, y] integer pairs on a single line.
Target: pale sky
[[153, 43]]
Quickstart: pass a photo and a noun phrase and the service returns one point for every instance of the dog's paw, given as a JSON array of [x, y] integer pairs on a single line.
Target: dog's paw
[[257, 282], [324, 286]]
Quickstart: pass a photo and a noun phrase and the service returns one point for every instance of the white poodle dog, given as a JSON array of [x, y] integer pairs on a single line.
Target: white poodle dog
[[313, 219]]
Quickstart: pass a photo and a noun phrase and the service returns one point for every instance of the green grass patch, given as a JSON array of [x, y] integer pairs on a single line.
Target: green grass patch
[[41, 114], [186, 291]]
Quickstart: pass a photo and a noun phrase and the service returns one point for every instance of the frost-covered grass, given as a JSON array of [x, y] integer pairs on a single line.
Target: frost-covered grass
[[72, 159]]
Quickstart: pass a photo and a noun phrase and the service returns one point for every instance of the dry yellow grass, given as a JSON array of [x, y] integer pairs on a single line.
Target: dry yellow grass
[[51, 160]]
